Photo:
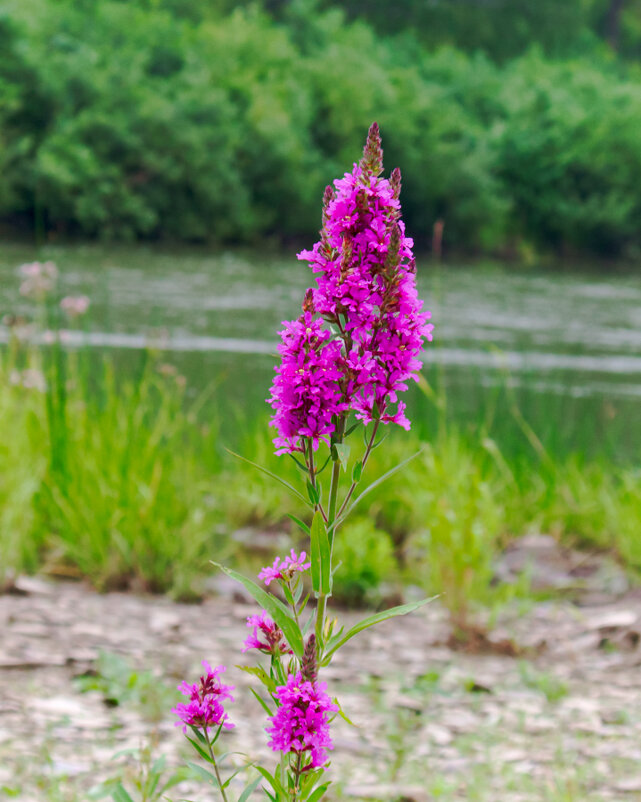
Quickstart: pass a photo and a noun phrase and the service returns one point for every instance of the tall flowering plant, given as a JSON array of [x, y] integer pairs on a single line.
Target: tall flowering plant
[[344, 362]]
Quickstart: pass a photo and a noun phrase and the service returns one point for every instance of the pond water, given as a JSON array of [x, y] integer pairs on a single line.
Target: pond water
[[565, 347]]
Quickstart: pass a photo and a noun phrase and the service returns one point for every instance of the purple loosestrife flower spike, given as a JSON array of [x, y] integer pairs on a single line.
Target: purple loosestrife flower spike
[[365, 274], [273, 639], [205, 707], [285, 569], [301, 724], [366, 289]]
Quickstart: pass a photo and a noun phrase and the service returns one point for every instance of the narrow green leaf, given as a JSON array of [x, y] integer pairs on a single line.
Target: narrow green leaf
[[199, 749], [273, 781], [231, 776], [339, 640], [317, 523], [313, 493], [220, 759], [324, 465], [154, 779], [273, 606], [342, 454], [204, 774], [380, 440], [343, 715], [326, 561], [303, 468], [159, 764], [303, 605], [321, 557], [262, 702], [309, 779], [249, 789], [120, 795], [288, 595], [291, 488], [298, 522], [375, 484], [357, 472], [263, 676], [218, 731], [198, 735], [318, 793]]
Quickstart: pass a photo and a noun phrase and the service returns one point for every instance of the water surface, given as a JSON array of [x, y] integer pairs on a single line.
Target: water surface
[[564, 346]]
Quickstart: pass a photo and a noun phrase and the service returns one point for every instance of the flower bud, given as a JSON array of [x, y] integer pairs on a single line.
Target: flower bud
[[372, 161], [346, 257], [328, 197], [392, 259], [308, 301], [395, 182], [309, 668]]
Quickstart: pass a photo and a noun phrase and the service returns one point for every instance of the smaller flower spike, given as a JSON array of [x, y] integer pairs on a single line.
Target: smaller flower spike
[[395, 183], [205, 707], [286, 568], [301, 724], [308, 301], [372, 161], [273, 639], [309, 666]]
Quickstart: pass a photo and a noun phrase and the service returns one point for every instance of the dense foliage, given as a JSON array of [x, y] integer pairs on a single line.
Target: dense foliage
[[193, 120]]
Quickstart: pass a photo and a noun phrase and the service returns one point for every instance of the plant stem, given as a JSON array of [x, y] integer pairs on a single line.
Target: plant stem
[[331, 529], [293, 606], [368, 451], [312, 475], [215, 765], [297, 772]]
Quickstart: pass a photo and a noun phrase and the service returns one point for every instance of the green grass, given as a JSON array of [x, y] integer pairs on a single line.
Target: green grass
[[126, 480]]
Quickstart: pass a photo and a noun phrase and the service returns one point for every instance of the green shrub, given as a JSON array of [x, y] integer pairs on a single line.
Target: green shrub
[[221, 122]]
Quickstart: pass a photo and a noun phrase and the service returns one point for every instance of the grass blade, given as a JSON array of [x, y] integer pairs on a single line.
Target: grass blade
[[339, 640], [281, 481]]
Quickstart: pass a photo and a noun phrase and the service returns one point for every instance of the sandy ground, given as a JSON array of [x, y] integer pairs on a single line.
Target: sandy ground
[[563, 723]]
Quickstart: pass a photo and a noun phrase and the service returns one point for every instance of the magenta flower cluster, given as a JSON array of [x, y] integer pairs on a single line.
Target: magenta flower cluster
[[301, 724], [273, 640], [204, 709], [286, 568], [306, 390], [357, 343]]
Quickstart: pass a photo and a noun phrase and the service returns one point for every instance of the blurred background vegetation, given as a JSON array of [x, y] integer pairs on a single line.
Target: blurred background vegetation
[[515, 122], [202, 133]]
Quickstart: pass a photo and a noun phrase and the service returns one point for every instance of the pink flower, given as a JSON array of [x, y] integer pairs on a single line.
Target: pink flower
[[38, 279], [204, 709], [301, 724], [75, 305], [305, 393], [286, 568], [366, 291], [273, 639]]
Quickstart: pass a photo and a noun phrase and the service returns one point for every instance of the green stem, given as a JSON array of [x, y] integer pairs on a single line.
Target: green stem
[[331, 531], [215, 765], [293, 606], [297, 772], [312, 476], [368, 451]]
